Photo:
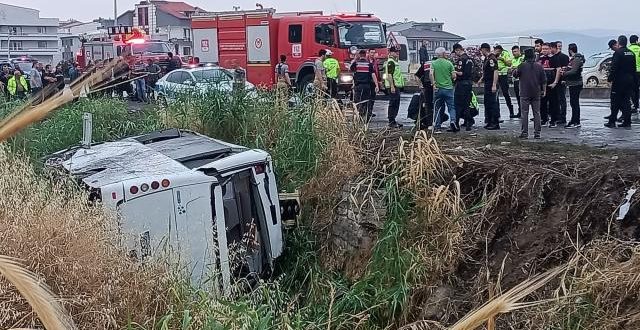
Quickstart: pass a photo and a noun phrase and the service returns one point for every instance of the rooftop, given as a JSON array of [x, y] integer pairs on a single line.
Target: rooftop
[[423, 30], [177, 9]]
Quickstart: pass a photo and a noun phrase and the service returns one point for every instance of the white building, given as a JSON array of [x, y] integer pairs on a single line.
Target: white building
[[24, 33], [164, 20], [71, 32]]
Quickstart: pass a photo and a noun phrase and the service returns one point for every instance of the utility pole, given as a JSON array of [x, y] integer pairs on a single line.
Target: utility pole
[[359, 7], [115, 12]]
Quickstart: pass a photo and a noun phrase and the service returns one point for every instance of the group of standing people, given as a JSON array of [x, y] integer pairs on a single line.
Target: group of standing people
[[16, 85]]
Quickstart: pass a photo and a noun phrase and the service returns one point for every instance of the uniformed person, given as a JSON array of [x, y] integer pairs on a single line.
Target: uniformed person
[[464, 86], [393, 82], [372, 58], [283, 81], [363, 78], [504, 65], [635, 48], [490, 78], [622, 78], [332, 70], [518, 58]]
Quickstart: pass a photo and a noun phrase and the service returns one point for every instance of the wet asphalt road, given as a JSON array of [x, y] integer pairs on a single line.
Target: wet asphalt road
[[592, 133]]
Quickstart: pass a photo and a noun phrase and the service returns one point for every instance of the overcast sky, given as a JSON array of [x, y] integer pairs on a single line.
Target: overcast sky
[[465, 17]]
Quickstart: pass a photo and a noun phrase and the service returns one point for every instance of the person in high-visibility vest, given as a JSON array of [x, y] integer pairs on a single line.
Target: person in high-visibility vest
[[518, 58], [394, 83], [17, 85], [635, 48], [332, 69], [504, 65]]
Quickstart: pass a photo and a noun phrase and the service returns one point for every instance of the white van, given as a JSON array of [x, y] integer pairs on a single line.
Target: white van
[[184, 193]]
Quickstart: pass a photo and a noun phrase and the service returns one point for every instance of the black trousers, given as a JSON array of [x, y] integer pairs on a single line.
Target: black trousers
[[516, 89], [503, 82], [620, 98], [491, 106], [428, 94], [332, 87], [462, 102], [554, 104], [362, 98], [372, 98], [562, 103], [544, 107], [636, 92], [574, 100], [394, 105]]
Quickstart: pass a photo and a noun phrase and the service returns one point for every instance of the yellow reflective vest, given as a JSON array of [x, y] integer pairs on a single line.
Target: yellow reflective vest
[[13, 87], [332, 68], [398, 77]]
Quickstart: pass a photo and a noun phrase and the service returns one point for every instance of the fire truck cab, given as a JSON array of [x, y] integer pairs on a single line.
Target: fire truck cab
[[255, 40], [211, 206]]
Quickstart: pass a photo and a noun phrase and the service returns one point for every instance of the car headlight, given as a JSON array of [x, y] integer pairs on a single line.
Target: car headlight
[[346, 79]]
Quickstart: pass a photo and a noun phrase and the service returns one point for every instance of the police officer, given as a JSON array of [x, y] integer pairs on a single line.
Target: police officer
[[393, 82], [464, 86], [622, 76], [504, 65], [518, 59], [332, 69], [490, 78], [426, 94], [635, 48], [363, 78]]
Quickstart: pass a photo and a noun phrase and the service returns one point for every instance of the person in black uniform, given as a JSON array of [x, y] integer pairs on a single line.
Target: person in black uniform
[[622, 79], [363, 77], [490, 78], [464, 86], [427, 94]]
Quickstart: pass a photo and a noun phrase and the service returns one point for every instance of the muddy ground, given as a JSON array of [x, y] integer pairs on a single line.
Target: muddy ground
[[531, 206]]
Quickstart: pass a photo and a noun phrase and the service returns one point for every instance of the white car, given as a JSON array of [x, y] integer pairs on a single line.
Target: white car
[[195, 80], [596, 69]]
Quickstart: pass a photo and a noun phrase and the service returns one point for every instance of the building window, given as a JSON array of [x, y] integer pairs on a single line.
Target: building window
[[67, 42], [42, 30], [143, 16], [446, 45], [15, 30], [187, 34], [42, 44], [186, 51], [15, 45], [412, 44], [295, 34]]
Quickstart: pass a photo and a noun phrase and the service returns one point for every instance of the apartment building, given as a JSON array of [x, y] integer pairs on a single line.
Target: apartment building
[[24, 33]]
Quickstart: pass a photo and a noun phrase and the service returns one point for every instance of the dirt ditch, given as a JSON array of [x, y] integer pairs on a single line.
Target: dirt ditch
[[530, 207]]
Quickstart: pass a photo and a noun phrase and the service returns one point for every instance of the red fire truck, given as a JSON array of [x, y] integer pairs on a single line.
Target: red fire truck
[[131, 43], [255, 39]]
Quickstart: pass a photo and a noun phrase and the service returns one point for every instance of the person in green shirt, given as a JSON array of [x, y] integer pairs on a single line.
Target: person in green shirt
[[332, 70], [504, 65], [518, 59], [442, 75]]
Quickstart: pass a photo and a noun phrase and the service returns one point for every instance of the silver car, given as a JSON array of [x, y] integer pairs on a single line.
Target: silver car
[[195, 80], [596, 69]]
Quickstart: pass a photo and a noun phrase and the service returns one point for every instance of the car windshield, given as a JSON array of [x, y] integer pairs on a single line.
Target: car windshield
[[212, 75], [592, 61], [151, 48], [25, 66], [367, 34]]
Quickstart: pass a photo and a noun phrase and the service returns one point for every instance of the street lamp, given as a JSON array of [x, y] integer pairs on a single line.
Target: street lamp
[[359, 6], [115, 12]]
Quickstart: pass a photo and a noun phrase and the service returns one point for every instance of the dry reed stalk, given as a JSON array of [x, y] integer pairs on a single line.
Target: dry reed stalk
[[508, 302], [39, 296]]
